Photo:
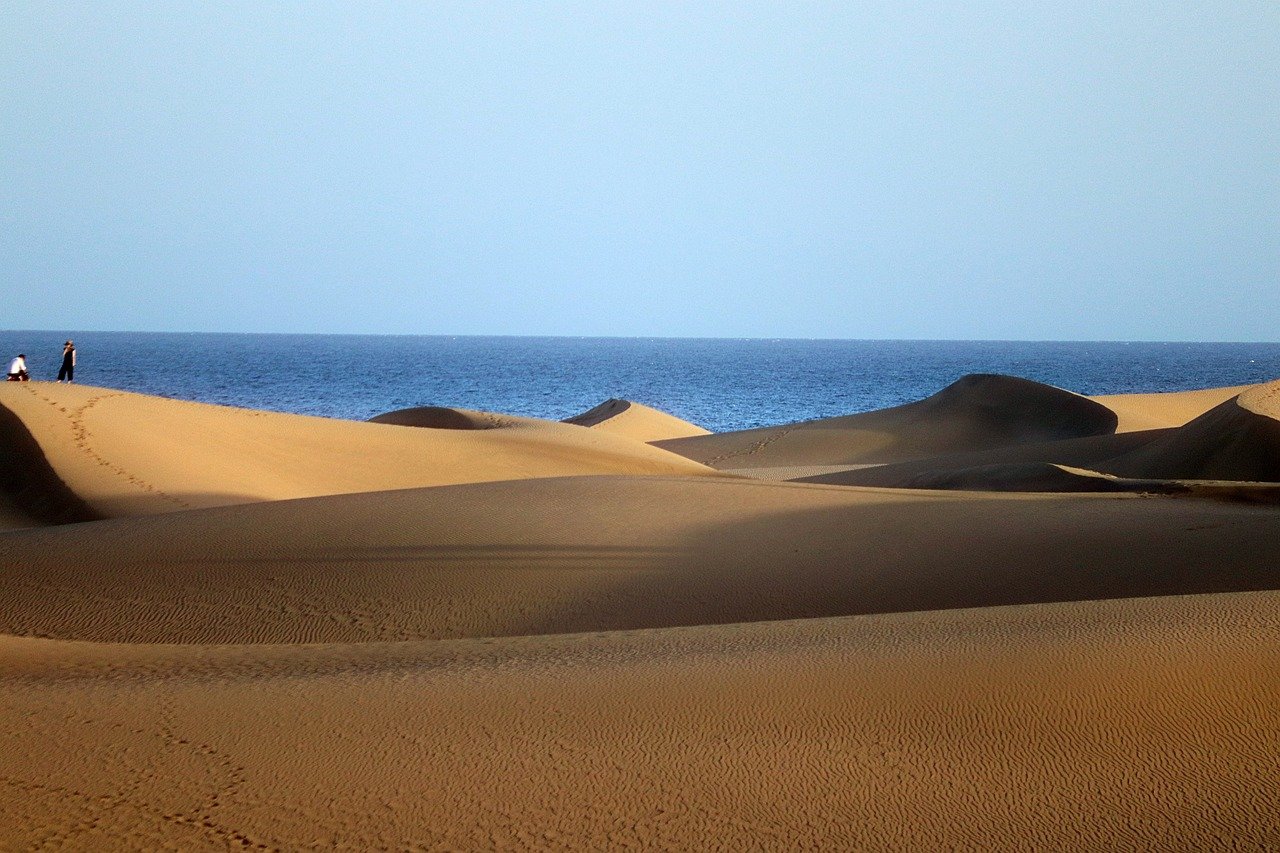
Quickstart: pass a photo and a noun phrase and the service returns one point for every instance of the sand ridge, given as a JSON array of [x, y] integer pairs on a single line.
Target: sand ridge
[[1166, 408], [129, 454]]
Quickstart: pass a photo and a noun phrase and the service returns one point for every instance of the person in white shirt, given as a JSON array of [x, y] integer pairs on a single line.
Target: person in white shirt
[[18, 369]]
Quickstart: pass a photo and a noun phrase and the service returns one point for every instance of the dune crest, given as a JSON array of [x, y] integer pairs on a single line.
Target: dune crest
[[635, 421], [976, 412], [1165, 408]]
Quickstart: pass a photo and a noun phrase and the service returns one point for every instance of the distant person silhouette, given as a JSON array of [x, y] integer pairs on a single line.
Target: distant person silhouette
[[68, 369], [18, 369]]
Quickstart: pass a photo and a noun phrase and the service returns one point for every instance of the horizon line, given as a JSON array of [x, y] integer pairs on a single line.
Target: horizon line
[[56, 333]]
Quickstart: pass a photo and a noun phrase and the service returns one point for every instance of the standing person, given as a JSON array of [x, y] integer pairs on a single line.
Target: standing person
[[18, 369], [68, 369]]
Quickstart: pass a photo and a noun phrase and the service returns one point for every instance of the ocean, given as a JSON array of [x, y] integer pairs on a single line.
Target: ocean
[[721, 384]]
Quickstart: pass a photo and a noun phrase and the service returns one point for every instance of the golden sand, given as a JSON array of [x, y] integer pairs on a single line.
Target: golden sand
[[463, 630], [1165, 409], [636, 421], [128, 454]]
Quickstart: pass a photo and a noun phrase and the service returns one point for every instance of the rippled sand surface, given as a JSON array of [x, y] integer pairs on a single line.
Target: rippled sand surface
[[460, 630]]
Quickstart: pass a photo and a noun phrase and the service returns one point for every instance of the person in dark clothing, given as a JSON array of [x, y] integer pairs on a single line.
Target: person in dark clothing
[[68, 369]]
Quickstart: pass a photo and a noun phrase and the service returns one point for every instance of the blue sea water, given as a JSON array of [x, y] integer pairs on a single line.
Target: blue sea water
[[722, 384]]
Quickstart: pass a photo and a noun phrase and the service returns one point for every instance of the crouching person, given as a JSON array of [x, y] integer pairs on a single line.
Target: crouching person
[[18, 369]]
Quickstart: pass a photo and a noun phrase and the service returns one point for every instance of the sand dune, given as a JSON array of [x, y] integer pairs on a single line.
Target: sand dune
[[1137, 724], [978, 412], [1216, 454], [608, 553], [1236, 440], [124, 454], [617, 417], [1165, 409], [454, 629], [635, 421], [30, 492], [441, 417]]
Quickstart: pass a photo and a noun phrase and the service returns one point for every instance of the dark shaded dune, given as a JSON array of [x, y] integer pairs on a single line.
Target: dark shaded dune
[[599, 414], [1237, 440], [1015, 410], [605, 553], [977, 412], [31, 491], [1017, 477], [438, 417], [1230, 452], [1076, 452], [1047, 477]]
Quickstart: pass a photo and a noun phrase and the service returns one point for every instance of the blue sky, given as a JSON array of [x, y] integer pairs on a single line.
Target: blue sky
[[878, 170]]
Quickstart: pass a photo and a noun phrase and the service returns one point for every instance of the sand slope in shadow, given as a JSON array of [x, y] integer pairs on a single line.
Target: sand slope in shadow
[[1220, 453], [547, 556], [1236, 440], [977, 412]]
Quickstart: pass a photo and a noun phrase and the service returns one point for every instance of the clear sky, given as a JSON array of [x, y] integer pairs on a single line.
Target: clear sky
[[1063, 170]]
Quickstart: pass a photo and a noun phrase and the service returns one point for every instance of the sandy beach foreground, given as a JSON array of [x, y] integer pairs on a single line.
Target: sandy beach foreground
[[1003, 616]]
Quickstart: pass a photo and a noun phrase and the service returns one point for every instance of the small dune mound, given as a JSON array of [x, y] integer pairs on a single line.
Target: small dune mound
[[1003, 410], [977, 412], [438, 417], [635, 421], [1237, 440]]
